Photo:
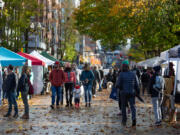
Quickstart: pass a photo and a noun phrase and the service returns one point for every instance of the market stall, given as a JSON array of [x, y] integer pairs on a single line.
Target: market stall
[[151, 62], [48, 56], [8, 57], [47, 62], [172, 55], [37, 70]]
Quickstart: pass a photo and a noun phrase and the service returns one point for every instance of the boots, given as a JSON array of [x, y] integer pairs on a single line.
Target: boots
[[86, 105], [134, 123], [7, 115], [25, 116], [15, 115]]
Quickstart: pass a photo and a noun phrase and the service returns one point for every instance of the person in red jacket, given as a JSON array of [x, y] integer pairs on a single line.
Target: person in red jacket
[[56, 78], [70, 82]]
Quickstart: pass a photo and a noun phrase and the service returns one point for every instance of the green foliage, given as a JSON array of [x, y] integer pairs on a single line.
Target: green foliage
[[15, 20], [69, 35], [151, 25]]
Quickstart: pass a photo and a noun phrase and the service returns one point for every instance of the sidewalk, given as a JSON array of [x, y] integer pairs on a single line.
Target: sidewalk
[[100, 119]]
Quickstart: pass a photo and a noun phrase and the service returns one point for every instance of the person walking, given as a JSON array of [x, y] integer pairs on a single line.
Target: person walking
[[56, 78], [23, 87], [77, 95], [128, 85], [145, 78], [10, 83], [95, 81], [70, 82], [156, 90], [101, 78], [87, 78]]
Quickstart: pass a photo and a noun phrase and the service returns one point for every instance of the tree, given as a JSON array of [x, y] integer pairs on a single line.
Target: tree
[[15, 20], [69, 36], [152, 25]]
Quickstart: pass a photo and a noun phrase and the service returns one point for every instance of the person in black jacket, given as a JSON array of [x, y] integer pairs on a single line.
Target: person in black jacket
[[101, 72], [23, 86], [156, 90], [145, 78], [10, 83], [95, 81]]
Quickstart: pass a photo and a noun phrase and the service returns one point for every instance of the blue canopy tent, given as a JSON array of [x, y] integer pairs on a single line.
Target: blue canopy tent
[[8, 57]]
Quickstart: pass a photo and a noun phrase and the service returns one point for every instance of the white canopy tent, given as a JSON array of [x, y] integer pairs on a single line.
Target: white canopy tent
[[171, 55], [151, 62], [44, 59]]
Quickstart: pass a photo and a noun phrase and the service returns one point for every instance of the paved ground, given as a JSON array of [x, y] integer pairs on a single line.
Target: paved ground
[[100, 119]]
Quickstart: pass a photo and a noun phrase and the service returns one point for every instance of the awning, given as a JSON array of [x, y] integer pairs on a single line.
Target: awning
[[45, 54], [44, 59], [8, 57], [35, 61]]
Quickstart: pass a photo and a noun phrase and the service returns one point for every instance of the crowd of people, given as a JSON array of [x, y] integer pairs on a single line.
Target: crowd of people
[[61, 78], [129, 83], [139, 82]]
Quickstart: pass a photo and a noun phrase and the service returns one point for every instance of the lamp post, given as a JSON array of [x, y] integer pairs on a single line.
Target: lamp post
[[36, 27]]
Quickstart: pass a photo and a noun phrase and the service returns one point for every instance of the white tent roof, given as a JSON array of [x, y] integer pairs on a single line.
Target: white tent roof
[[151, 62], [44, 59], [173, 53]]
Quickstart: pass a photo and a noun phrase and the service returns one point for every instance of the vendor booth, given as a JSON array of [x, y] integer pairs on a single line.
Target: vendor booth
[[151, 62], [48, 56], [47, 62], [37, 69], [173, 89], [8, 57]]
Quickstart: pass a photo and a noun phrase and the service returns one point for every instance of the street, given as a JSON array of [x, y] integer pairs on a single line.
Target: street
[[100, 119]]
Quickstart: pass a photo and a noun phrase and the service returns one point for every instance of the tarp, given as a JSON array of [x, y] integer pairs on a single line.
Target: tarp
[[8, 57], [151, 62], [45, 54], [39, 56], [170, 54], [35, 61]]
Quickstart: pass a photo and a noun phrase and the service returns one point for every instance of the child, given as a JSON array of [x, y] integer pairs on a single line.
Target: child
[[77, 94]]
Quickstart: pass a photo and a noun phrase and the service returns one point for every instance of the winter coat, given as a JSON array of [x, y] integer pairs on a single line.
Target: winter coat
[[56, 77], [77, 93], [87, 75], [156, 85], [128, 83], [70, 77], [23, 85], [10, 83]]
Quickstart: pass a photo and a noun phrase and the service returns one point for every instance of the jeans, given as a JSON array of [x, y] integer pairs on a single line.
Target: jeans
[[25, 101], [125, 98], [88, 93], [100, 85], [94, 87], [77, 100], [12, 101], [69, 93], [56, 91], [145, 87], [157, 108]]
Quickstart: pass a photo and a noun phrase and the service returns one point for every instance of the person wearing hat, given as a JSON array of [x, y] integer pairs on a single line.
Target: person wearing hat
[[128, 86], [87, 78], [10, 82], [70, 82], [156, 89], [56, 78]]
